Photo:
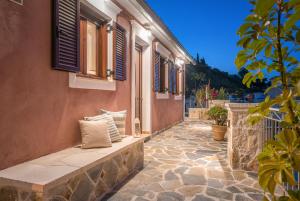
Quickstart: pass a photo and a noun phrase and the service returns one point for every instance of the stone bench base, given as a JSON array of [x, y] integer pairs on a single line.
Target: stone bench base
[[78, 178]]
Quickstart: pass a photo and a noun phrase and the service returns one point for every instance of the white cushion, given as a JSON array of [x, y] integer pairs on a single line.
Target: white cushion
[[94, 134]]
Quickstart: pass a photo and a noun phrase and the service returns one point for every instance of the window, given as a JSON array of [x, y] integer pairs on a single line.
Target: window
[[83, 44], [93, 46], [162, 72]]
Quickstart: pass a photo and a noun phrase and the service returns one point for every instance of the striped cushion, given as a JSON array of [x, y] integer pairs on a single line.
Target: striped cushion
[[111, 126], [119, 118]]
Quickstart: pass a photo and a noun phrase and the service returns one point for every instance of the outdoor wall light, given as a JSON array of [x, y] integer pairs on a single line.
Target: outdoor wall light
[[147, 30], [147, 26], [109, 74], [179, 61], [109, 28]]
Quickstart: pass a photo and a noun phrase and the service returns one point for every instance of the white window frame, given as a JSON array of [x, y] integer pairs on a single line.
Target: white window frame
[[112, 10]]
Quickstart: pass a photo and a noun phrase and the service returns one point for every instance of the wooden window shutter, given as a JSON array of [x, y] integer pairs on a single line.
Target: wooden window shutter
[[120, 53], [102, 47], [156, 72], [66, 21]]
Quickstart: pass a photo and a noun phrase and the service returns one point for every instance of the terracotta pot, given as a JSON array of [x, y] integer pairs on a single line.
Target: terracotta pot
[[219, 132]]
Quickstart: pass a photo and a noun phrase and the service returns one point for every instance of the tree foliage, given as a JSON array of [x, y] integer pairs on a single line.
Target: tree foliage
[[201, 74], [201, 97], [270, 41], [222, 94]]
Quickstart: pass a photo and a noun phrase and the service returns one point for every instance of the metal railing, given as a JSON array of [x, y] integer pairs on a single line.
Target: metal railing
[[271, 127]]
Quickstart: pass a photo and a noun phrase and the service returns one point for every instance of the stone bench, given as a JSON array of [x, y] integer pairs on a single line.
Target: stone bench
[[73, 174]]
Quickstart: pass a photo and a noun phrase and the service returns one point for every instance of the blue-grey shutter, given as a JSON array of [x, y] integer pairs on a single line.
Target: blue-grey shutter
[[120, 42], [156, 71], [174, 80], [66, 19], [170, 66], [169, 73]]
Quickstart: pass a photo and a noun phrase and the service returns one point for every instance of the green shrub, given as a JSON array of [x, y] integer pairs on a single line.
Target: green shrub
[[200, 97], [219, 115]]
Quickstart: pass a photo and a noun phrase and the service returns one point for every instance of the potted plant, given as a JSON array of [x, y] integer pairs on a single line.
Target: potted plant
[[219, 115]]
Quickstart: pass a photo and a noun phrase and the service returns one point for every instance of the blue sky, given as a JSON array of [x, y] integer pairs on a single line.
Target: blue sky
[[206, 27]]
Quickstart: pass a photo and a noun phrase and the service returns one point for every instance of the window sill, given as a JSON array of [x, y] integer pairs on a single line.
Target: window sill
[[162, 95], [90, 76], [87, 82], [178, 97]]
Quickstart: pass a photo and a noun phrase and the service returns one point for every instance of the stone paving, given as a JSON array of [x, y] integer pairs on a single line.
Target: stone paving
[[184, 163]]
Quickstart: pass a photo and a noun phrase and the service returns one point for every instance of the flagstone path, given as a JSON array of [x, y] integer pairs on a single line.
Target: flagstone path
[[184, 163]]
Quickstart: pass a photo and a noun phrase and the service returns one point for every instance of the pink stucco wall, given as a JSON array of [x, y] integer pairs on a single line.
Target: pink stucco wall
[[39, 112]]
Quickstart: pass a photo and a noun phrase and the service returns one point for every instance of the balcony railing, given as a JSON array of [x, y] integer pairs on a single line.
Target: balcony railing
[[271, 127]]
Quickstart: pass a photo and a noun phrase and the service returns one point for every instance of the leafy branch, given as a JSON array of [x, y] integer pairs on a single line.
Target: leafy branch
[[269, 38]]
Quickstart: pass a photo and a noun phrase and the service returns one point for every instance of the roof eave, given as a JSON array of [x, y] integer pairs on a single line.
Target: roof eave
[[160, 22]]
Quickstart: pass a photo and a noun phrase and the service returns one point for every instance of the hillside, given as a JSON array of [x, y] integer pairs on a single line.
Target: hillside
[[201, 74]]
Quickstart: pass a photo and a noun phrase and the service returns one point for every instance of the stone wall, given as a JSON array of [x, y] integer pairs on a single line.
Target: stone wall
[[198, 113], [244, 140], [221, 103], [93, 182]]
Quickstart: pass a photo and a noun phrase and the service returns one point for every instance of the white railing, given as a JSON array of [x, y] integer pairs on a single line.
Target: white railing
[[271, 127]]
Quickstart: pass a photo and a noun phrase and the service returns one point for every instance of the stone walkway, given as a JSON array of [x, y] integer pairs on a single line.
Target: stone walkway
[[185, 163]]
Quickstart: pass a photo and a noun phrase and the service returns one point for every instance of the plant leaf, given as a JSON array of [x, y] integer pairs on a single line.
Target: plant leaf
[[247, 77], [268, 50], [263, 6]]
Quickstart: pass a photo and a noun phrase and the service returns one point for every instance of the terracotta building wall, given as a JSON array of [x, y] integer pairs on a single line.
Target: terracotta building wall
[[38, 111], [166, 112]]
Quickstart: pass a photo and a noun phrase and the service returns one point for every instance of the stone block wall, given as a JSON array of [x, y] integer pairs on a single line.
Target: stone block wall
[[244, 140], [220, 103], [198, 113], [90, 184]]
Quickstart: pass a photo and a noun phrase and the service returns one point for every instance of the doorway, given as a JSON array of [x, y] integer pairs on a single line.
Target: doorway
[[138, 83]]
